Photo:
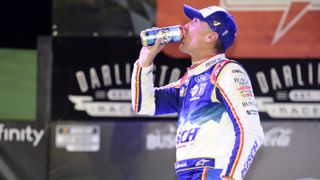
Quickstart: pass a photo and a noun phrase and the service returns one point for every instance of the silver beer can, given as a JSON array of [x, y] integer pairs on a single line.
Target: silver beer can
[[167, 34]]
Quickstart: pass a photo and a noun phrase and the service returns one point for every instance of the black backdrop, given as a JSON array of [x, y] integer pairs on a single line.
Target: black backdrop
[[91, 80]]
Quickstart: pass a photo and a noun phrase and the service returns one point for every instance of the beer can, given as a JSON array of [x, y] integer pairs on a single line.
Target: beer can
[[167, 34]]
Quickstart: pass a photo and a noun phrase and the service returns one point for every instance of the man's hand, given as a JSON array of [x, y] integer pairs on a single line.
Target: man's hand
[[148, 53]]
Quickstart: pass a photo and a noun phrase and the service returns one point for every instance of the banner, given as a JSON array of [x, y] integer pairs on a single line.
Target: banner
[[23, 151], [91, 80], [146, 150], [265, 28]]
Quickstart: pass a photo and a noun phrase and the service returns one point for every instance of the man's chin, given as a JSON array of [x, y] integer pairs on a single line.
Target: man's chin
[[183, 48]]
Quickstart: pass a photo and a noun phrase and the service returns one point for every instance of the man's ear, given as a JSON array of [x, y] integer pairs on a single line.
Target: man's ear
[[212, 37]]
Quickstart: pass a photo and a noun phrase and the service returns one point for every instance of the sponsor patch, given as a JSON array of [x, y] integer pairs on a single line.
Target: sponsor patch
[[186, 134]]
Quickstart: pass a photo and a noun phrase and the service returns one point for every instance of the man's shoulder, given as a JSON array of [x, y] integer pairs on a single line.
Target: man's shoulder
[[219, 67]]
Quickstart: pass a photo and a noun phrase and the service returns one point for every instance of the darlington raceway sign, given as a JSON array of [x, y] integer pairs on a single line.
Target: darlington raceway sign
[[90, 83], [119, 98], [287, 89]]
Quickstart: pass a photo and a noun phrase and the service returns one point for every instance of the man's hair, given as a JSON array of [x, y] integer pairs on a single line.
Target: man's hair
[[219, 47]]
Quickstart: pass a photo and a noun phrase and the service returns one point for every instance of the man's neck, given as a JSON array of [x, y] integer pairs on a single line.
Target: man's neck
[[195, 59]]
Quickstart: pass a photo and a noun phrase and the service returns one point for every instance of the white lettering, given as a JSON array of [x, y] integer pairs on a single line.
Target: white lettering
[[275, 81], [128, 73], [288, 80], [29, 131], [287, 75], [119, 94], [110, 76], [299, 75], [27, 134], [81, 78], [106, 75], [175, 75], [181, 164], [95, 83], [117, 74], [310, 73], [38, 135], [305, 95], [163, 72], [262, 81]]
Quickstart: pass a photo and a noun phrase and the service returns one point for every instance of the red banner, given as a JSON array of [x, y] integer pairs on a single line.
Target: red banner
[[266, 28]]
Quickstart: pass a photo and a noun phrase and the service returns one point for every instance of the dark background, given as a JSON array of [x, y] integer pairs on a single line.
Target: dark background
[[22, 21]]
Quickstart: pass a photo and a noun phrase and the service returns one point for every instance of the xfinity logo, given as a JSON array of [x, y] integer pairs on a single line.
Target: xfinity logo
[[26, 134]]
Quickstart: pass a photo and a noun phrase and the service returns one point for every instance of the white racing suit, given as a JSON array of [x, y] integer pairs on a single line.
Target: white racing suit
[[219, 129]]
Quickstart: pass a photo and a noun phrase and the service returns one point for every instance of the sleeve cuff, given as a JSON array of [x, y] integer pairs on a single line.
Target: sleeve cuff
[[144, 70]]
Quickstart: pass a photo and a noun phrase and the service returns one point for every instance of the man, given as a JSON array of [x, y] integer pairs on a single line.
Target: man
[[219, 130]]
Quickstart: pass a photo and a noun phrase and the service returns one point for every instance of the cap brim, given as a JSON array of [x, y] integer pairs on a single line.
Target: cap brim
[[191, 12]]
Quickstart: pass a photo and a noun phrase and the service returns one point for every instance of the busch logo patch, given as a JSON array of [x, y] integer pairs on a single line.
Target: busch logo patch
[[187, 134]]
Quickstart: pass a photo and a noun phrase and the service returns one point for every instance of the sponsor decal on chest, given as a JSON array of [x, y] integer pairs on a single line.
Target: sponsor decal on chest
[[198, 89]]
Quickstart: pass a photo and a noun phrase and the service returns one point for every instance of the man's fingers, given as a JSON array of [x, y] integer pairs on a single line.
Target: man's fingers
[[158, 41]]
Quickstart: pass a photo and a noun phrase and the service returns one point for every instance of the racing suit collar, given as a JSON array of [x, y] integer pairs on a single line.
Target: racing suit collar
[[205, 64]]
